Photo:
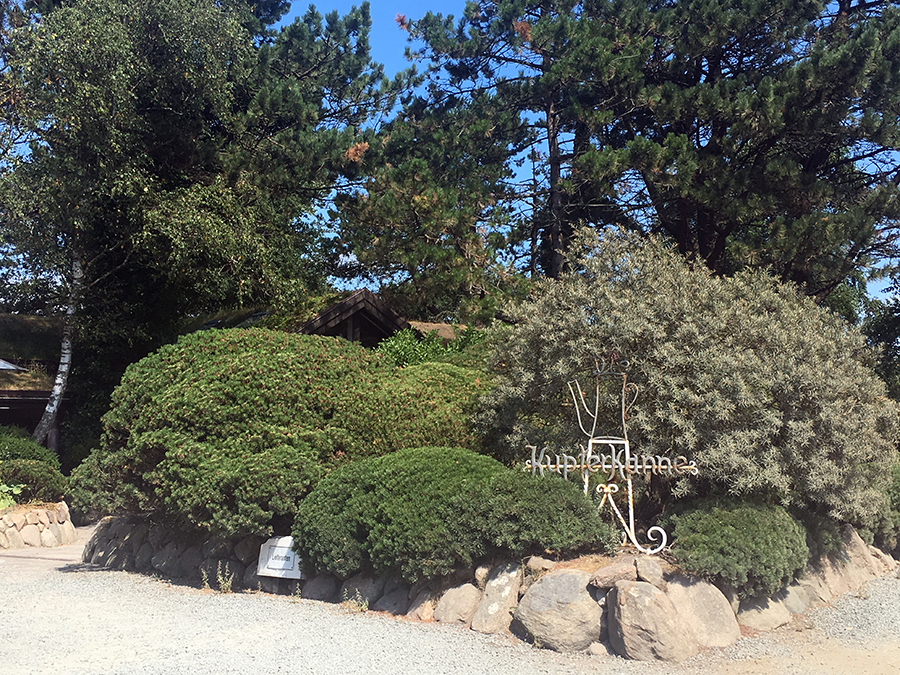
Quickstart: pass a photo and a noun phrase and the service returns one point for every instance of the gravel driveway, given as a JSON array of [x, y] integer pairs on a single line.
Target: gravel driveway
[[64, 618]]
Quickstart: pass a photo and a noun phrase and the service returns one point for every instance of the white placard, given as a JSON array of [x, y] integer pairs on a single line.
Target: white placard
[[278, 559]]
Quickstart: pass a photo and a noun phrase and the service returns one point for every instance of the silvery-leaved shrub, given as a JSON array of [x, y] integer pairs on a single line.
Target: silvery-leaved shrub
[[772, 396]]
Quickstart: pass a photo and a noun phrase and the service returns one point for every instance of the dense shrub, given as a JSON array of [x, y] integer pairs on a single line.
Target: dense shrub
[[16, 443], [29, 465], [757, 549], [772, 396], [228, 430], [405, 348], [425, 512]]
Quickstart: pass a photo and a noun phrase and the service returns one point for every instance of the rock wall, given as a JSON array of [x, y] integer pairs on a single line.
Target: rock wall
[[48, 526], [639, 607]]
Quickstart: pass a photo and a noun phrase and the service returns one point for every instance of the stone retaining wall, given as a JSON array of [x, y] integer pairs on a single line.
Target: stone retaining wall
[[639, 607], [47, 527]]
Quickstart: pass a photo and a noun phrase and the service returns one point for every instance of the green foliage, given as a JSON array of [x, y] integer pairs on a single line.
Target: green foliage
[[15, 443], [39, 480], [697, 119], [757, 549], [405, 348], [772, 396], [9, 494], [425, 512], [228, 430]]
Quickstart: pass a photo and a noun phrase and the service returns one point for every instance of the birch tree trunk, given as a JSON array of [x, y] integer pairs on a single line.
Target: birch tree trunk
[[51, 412]]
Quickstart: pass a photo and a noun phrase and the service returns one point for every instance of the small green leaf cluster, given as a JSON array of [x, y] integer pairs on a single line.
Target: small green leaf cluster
[[425, 512], [31, 466], [228, 430], [405, 347], [754, 548]]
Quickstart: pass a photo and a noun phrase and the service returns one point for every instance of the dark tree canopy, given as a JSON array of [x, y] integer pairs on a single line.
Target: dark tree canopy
[[752, 133]]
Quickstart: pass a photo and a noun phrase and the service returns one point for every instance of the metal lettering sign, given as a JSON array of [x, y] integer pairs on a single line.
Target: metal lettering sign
[[616, 463]]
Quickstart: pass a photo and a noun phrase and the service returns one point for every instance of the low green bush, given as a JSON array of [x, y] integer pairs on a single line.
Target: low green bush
[[40, 481], [426, 512], [16, 443], [405, 348], [228, 430], [755, 548], [29, 467]]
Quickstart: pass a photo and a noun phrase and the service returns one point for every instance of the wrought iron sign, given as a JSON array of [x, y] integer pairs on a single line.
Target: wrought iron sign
[[611, 456]]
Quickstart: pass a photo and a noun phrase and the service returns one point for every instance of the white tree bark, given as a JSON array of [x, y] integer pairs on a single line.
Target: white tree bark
[[51, 412]]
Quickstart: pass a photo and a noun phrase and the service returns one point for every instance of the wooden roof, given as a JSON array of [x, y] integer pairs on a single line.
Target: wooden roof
[[361, 317]]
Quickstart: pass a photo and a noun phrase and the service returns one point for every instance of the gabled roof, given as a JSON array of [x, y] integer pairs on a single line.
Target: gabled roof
[[361, 317]]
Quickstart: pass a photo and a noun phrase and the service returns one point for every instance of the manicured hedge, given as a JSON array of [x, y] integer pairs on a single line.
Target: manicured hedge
[[425, 512], [31, 465], [755, 548], [228, 430]]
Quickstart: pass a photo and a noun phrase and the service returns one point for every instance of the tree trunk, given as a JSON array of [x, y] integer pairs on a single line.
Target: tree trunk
[[48, 419]]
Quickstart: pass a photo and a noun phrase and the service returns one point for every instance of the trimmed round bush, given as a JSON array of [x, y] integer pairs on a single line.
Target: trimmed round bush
[[16, 443], [425, 512], [755, 548], [40, 481], [228, 430]]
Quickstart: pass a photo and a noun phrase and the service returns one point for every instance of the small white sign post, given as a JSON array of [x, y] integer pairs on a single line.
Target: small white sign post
[[278, 559]]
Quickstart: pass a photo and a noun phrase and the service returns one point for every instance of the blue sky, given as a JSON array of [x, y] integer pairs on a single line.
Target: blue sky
[[387, 40]]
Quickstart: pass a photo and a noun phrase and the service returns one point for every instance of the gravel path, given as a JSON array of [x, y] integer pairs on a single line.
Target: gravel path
[[72, 619]]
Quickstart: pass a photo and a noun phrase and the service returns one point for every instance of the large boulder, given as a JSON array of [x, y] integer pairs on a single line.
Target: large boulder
[[622, 569], [645, 626], [501, 593], [560, 612], [706, 610], [363, 588], [763, 614], [458, 605]]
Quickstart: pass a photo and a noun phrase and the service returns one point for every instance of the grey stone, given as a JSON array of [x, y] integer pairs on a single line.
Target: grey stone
[[190, 563], [166, 561], [323, 587], [363, 588], [538, 564], [32, 518], [102, 551], [705, 610], [622, 569], [143, 557], [158, 535], [217, 547], [501, 595], [4, 542], [394, 601], [14, 538], [56, 530], [43, 516], [18, 520], [645, 626], [481, 575], [118, 529], [277, 585], [422, 607], [247, 549], [763, 614], [69, 535], [62, 513], [458, 605], [7, 520], [31, 535], [48, 539], [560, 612], [136, 537], [795, 598], [842, 571], [648, 570]]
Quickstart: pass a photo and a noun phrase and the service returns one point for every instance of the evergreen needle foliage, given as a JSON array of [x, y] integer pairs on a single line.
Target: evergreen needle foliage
[[425, 512], [228, 430]]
